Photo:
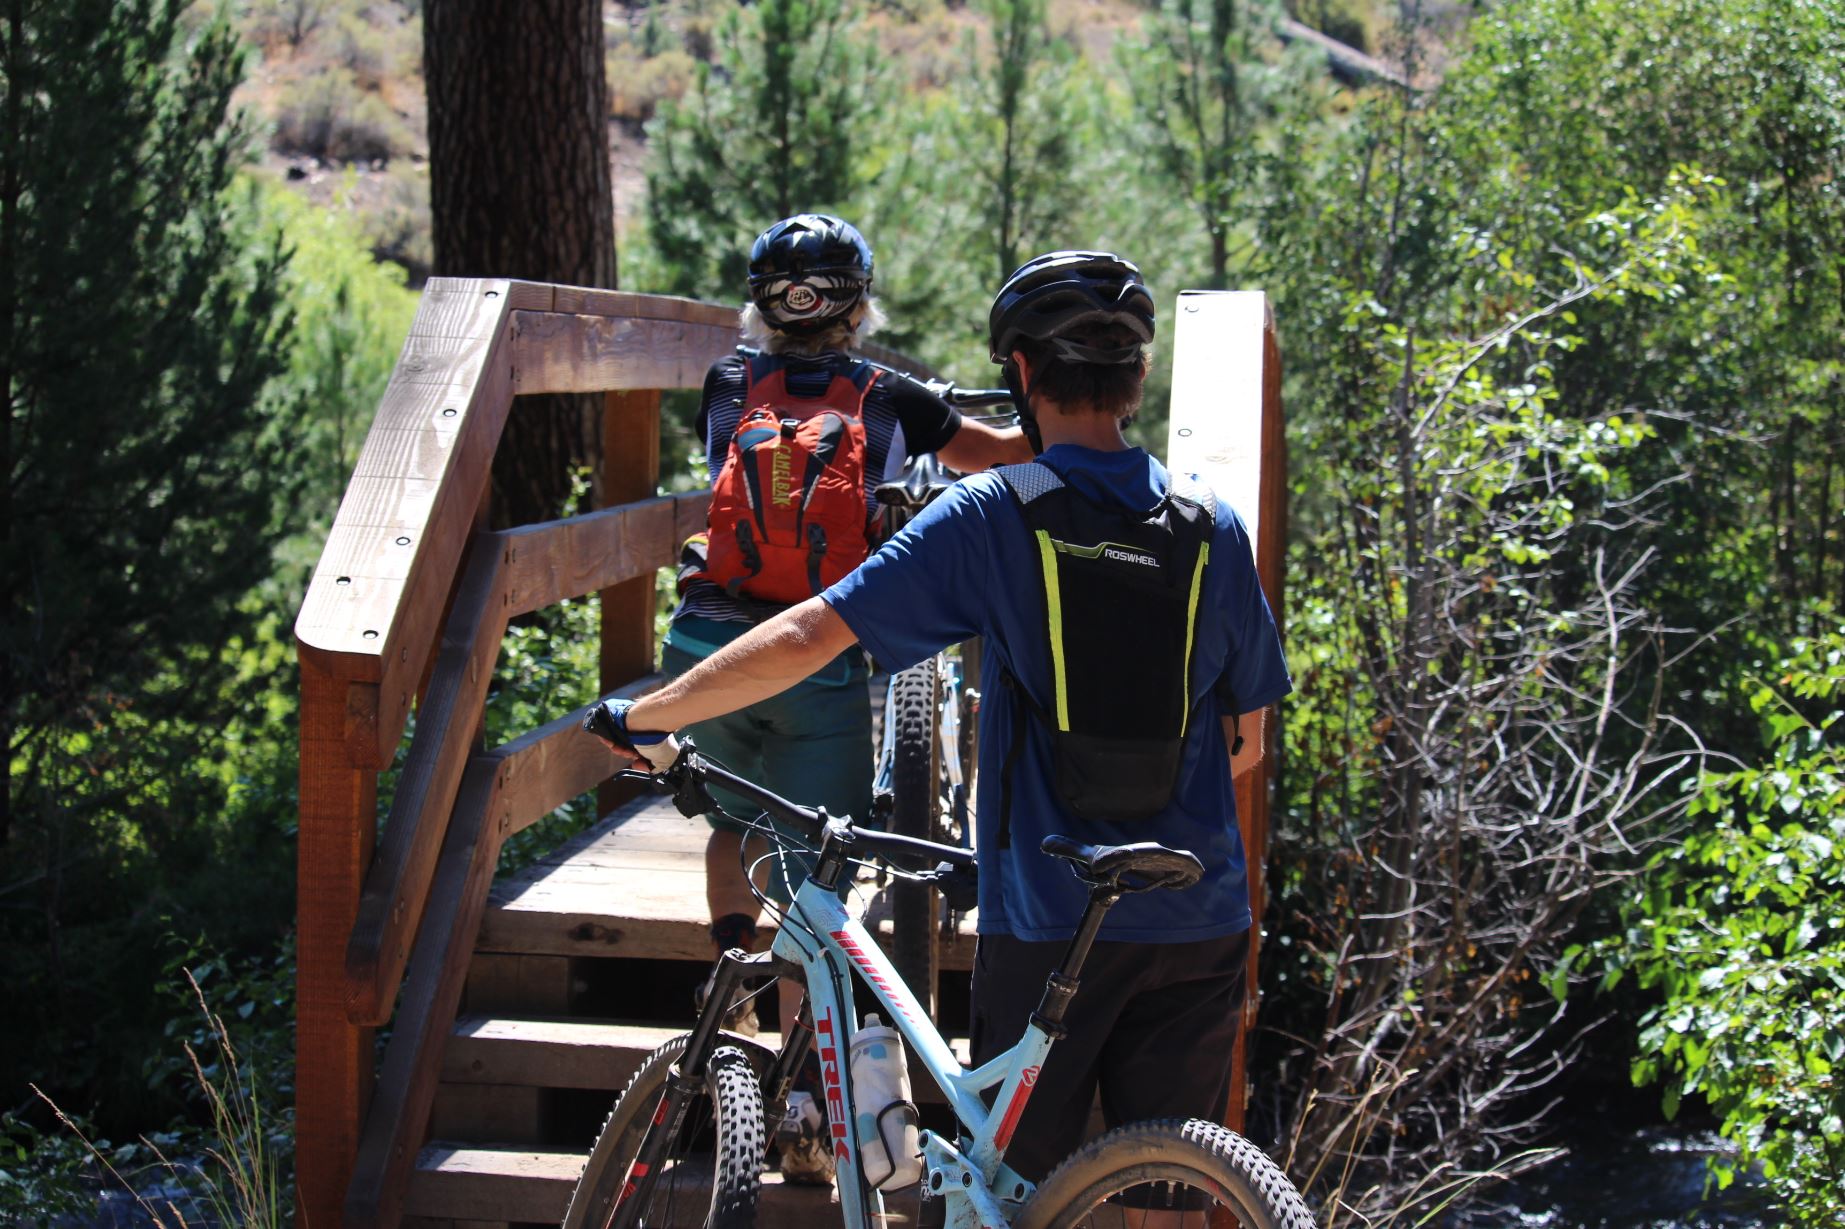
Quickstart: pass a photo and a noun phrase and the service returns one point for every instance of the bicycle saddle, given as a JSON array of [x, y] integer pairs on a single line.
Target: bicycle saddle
[[1151, 865]]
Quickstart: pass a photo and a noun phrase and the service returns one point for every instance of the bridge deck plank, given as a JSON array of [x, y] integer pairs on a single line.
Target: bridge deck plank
[[634, 886]]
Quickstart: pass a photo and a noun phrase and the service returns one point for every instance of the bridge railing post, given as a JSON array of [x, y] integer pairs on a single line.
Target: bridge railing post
[[630, 472], [333, 1057], [1226, 426]]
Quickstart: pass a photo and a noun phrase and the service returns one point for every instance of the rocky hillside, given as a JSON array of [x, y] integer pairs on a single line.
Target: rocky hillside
[[336, 88]]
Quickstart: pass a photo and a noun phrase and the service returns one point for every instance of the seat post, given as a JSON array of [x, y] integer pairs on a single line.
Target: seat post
[[1060, 986]]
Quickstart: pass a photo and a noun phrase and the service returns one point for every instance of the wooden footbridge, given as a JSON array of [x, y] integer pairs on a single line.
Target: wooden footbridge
[[511, 1009]]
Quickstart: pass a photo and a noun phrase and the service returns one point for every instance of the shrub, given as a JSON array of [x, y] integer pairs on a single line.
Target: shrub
[[329, 116], [638, 84], [1742, 926]]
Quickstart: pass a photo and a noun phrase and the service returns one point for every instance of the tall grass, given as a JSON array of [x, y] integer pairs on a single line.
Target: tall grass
[[240, 1182]]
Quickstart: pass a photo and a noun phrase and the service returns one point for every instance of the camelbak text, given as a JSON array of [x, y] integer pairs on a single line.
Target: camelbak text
[[781, 477]]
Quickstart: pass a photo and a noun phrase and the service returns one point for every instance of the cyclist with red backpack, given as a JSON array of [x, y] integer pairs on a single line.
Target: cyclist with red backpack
[[798, 431]]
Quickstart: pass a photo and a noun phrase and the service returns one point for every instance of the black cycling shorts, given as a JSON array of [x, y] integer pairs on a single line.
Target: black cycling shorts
[[1152, 1025]]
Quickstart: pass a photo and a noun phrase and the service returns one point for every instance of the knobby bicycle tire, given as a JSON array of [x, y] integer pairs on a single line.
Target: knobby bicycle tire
[[1213, 1161], [735, 1101], [915, 811]]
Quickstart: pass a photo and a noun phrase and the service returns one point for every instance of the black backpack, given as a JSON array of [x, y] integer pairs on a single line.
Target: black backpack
[[1120, 600]]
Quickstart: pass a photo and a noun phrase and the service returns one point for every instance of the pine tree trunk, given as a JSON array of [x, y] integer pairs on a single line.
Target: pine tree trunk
[[520, 187]]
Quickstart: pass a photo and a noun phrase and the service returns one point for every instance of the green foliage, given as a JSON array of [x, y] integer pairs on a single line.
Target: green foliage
[[1741, 928], [548, 665], [1743, 383], [42, 1174], [1019, 120], [147, 468], [351, 316], [776, 126], [170, 421], [230, 1169], [1202, 83]]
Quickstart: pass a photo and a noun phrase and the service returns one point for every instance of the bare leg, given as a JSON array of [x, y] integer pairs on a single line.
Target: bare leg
[[728, 892]]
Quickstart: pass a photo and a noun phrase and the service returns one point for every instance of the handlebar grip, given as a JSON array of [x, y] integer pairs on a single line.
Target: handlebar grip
[[978, 396]]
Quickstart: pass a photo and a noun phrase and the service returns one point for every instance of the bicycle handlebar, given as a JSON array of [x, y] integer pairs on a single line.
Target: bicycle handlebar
[[955, 395], [691, 772], [977, 396]]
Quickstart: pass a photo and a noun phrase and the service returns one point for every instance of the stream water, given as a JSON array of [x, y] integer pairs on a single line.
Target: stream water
[[1651, 1177]]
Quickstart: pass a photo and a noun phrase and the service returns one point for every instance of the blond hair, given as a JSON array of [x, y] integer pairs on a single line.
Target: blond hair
[[865, 318]]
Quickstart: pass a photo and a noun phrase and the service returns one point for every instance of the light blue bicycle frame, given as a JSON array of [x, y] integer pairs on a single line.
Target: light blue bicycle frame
[[974, 1181]]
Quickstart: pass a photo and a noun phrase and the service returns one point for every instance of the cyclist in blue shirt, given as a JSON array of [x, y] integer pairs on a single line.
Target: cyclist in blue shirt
[[1163, 987]]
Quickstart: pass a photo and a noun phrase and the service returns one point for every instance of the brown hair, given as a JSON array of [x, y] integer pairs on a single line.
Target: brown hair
[[1112, 389]]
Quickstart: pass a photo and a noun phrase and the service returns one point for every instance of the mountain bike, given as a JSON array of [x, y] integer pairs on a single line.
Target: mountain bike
[[644, 1171]]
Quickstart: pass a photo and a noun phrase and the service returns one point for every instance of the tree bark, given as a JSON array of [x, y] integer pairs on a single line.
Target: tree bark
[[520, 187]]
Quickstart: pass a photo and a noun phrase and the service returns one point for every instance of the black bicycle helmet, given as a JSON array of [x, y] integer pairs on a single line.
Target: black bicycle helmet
[[807, 271], [1051, 297]]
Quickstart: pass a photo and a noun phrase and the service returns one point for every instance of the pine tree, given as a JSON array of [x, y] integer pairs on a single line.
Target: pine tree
[[778, 126], [140, 325], [1202, 87]]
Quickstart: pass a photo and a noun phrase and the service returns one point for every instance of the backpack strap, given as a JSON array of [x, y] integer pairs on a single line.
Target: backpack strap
[[1028, 481], [1188, 487]]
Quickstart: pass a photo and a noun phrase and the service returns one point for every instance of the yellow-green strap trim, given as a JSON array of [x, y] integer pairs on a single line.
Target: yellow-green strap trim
[[1053, 601], [1191, 623]]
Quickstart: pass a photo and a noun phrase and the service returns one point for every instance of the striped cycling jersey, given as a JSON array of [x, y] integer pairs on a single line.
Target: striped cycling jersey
[[902, 419]]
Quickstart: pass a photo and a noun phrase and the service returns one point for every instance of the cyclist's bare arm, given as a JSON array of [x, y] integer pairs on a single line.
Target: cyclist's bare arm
[[1250, 726], [765, 661], [978, 446]]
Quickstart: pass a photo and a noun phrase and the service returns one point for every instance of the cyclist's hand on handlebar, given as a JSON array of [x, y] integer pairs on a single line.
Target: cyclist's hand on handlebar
[[608, 720]]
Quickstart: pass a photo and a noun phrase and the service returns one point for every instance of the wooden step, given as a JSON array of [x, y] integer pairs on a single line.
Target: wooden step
[[478, 1184], [461, 1182], [634, 886], [594, 1054], [600, 1054]]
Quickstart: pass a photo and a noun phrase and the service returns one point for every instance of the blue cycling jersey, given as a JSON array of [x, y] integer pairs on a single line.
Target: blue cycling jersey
[[967, 566]]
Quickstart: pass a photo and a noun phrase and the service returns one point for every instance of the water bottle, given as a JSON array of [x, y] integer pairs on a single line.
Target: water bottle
[[889, 1154]]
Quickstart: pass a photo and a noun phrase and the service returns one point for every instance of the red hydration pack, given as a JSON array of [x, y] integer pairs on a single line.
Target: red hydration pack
[[788, 513]]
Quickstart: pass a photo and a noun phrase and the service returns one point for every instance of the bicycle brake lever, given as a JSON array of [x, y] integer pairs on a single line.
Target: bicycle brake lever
[[691, 798]]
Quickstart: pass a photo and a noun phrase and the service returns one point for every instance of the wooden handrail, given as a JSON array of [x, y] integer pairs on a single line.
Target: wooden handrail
[[520, 778], [509, 573], [373, 604], [373, 619], [375, 599]]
